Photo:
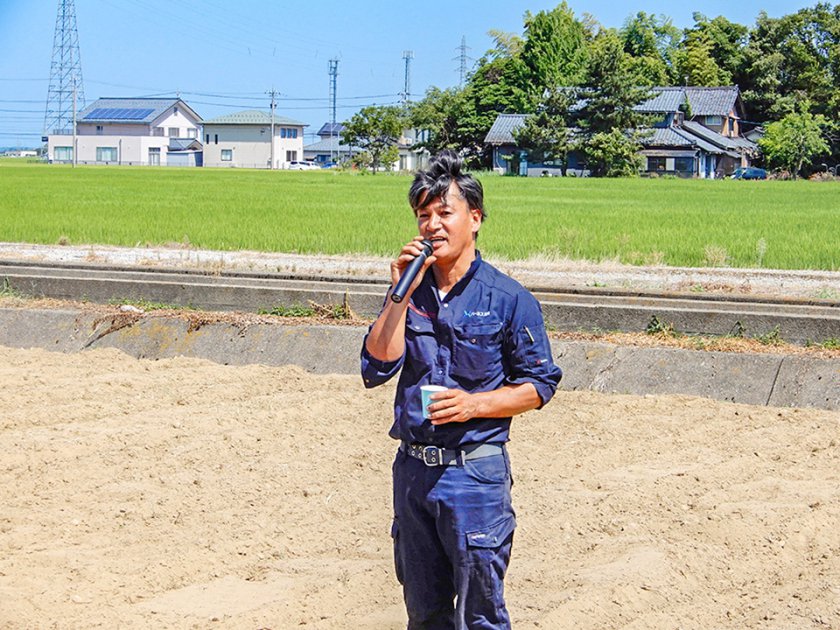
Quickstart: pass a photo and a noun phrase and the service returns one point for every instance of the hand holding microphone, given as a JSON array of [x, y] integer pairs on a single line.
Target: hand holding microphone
[[411, 271]]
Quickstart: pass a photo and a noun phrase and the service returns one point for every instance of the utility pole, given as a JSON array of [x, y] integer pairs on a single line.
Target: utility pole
[[462, 57], [333, 76], [408, 55], [75, 140], [273, 94], [65, 71]]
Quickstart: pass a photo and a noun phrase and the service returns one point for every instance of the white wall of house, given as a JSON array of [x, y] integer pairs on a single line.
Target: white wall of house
[[172, 119], [248, 146], [110, 149]]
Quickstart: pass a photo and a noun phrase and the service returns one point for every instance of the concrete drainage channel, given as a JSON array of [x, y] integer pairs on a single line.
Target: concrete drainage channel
[[762, 379]]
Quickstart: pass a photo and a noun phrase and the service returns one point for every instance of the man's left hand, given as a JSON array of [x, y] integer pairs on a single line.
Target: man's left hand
[[453, 405]]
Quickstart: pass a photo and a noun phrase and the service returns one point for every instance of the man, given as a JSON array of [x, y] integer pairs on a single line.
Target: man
[[468, 327]]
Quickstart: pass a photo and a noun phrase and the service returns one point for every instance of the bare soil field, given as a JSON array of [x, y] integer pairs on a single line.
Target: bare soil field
[[184, 494]]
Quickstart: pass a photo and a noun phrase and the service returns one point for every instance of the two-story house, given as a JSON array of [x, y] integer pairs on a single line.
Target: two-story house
[[243, 139], [132, 131]]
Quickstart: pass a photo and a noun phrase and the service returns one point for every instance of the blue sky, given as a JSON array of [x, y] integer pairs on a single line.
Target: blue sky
[[223, 56]]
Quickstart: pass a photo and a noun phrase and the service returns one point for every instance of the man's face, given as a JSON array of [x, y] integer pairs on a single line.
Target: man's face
[[450, 224]]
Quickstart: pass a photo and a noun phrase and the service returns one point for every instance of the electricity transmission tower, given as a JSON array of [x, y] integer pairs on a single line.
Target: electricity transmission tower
[[408, 55], [462, 57], [66, 93]]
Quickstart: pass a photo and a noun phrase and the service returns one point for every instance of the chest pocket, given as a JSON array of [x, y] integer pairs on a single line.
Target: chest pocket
[[478, 350], [420, 340]]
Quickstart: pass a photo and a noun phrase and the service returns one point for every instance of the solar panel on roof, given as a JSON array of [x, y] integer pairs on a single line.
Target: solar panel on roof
[[118, 113]]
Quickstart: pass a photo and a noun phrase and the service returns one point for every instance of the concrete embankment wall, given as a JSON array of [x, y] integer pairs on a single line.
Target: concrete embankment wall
[[759, 379]]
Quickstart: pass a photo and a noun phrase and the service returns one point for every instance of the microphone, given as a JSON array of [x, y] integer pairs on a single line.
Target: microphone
[[410, 273]]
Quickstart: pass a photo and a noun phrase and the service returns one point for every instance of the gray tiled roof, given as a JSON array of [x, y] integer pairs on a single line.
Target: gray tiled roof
[[253, 117], [667, 137], [503, 127], [157, 106], [715, 138], [681, 137], [712, 101], [703, 101], [665, 99]]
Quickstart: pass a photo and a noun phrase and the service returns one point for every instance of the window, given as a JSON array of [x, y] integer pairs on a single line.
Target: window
[[106, 154], [207, 141], [192, 133], [158, 131], [227, 155], [100, 130], [282, 132], [63, 154], [154, 156], [286, 132], [714, 121], [656, 164], [684, 164], [216, 139], [173, 132], [291, 156]]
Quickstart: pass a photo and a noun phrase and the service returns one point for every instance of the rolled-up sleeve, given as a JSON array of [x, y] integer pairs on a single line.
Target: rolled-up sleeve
[[376, 372], [529, 351]]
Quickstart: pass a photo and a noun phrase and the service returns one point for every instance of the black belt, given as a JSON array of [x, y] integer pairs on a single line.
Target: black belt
[[437, 456]]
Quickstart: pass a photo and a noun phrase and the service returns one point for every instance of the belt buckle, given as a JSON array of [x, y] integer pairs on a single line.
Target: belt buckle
[[432, 455]]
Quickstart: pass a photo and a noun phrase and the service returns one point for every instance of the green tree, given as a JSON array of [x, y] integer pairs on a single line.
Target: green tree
[[546, 134], [792, 59], [439, 113], [607, 116], [376, 130], [555, 49], [696, 64], [498, 85], [610, 92], [614, 154], [727, 43], [794, 141], [651, 44]]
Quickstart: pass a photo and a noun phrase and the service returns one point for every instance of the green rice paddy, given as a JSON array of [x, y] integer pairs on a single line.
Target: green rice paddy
[[770, 224]]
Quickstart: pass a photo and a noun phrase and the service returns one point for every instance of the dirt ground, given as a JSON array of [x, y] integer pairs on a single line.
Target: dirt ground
[[184, 494]]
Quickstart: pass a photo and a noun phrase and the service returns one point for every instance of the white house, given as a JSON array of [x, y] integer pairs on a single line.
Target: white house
[[243, 140], [132, 131]]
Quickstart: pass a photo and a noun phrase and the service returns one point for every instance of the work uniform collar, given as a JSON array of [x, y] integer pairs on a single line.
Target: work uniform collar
[[463, 282]]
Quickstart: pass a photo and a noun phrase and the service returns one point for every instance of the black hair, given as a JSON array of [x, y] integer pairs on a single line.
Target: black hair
[[433, 183]]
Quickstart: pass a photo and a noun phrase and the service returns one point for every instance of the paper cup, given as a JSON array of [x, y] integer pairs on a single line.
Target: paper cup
[[425, 393]]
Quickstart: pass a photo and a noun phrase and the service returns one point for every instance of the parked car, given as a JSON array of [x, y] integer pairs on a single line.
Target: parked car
[[297, 165], [749, 172]]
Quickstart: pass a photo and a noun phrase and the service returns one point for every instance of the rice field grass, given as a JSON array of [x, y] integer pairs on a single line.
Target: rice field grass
[[770, 224]]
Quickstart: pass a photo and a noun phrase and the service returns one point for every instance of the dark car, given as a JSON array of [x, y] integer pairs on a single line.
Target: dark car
[[749, 172]]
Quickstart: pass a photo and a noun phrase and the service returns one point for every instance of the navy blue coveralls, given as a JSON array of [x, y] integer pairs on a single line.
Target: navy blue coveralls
[[453, 524]]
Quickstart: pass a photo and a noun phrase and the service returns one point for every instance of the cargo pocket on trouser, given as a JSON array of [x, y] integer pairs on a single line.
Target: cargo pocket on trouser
[[488, 555], [398, 565]]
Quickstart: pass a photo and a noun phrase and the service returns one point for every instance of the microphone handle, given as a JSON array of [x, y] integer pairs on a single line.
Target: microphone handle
[[410, 273]]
